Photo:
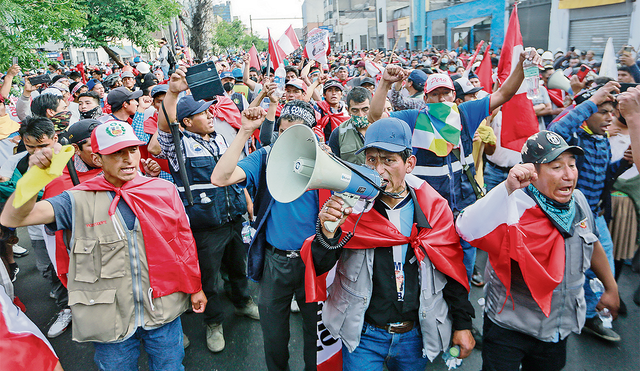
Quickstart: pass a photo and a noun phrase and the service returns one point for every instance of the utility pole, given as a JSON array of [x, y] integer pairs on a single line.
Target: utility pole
[[251, 24]]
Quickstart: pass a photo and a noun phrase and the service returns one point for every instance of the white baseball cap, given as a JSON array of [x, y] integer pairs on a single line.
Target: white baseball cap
[[438, 80], [113, 136]]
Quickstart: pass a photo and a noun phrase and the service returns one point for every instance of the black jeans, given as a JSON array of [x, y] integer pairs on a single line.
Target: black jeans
[[222, 248], [506, 350], [282, 277]]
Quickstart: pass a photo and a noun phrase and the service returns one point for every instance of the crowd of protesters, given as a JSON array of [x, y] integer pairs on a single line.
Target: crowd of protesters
[[127, 246]]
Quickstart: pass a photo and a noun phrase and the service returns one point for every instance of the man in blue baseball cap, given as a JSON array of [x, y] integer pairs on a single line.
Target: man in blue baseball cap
[[228, 83], [412, 288]]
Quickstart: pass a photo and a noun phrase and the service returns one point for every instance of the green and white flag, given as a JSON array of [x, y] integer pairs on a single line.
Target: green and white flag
[[438, 128]]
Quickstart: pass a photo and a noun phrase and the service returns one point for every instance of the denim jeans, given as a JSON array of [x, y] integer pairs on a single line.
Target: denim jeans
[[493, 175], [607, 244], [469, 257], [163, 345], [165, 71], [377, 346]]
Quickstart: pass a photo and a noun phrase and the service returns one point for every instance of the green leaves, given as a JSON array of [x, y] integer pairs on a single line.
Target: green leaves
[[230, 36]]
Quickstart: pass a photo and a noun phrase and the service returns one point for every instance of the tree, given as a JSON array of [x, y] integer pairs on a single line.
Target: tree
[[196, 19], [25, 24], [229, 36], [136, 20]]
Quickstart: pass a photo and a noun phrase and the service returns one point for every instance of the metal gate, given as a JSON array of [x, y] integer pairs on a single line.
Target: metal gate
[[592, 34]]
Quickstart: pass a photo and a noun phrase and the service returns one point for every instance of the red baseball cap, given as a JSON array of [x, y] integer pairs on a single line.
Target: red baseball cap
[[113, 136]]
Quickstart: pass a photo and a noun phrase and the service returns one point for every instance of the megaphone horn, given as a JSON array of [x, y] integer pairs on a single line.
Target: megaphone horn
[[559, 81], [296, 164]]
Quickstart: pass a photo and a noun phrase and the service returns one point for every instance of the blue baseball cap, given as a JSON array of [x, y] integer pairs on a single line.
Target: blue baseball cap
[[226, 74], [187, 106], [389, 134], [418, 77], [237, 74], [159, 89]]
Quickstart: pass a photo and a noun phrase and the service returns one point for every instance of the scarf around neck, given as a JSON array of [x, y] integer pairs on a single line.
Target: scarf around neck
[[561, 215]]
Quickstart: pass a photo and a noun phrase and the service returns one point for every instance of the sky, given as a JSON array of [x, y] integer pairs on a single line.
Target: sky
[[268, 9]]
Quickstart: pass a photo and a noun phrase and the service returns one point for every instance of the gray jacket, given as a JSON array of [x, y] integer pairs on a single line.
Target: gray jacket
[[349, 296], [568, 306]]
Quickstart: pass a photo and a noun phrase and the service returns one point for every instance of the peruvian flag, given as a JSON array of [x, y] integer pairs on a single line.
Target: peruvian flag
[[254, 61], [22, 344], [484, 72], [518, 112], [276, 52], [514, 227], [288, 42]]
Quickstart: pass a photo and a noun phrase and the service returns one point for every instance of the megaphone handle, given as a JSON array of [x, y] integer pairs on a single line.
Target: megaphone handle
[[349, 201]]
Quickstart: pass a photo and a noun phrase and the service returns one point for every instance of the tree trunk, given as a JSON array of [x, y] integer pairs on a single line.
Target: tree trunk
[[113, 55]]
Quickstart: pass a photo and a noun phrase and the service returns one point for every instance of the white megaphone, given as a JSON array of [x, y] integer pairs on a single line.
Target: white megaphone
[[559, 81], [297, 163]]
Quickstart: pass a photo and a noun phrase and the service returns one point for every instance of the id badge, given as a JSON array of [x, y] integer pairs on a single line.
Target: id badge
[[400, 284]]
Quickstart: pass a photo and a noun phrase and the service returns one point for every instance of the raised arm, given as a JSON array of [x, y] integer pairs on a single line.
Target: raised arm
[[391, 75], [177, 84], [629, 105], [8, 80], [227, 171], [245, 75]]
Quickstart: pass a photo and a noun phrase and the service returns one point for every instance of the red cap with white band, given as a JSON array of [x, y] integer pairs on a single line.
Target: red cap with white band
[[113, 136], [438, 80]]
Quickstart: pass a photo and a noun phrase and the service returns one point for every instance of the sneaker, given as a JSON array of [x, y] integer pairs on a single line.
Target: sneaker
[[19, 251], [215, 338], [60, 324], [294, 305], [250, 310], [595, 326], [13, 271], [52, 294], [185, 341]]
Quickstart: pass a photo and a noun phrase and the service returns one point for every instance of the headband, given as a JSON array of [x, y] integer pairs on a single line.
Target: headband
[[299, 113]]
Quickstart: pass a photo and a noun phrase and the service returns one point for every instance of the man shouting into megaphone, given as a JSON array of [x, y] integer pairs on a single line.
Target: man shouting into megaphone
[[400, 285]]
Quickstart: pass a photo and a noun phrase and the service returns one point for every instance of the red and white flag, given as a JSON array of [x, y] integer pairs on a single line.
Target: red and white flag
[[289, 41], [514, 227], [22, 344], [518, 116], [329, 355], [276, 52], [485, 75], [254, 61]]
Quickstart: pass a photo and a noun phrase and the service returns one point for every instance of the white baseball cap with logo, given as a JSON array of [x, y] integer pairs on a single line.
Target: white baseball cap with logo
[[438, 80], [113, 136]]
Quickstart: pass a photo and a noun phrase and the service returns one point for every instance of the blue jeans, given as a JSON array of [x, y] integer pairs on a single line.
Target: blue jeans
[[493, 175], [165, 71], [377, 346], [163, 345], [607, 244], [469, 257]]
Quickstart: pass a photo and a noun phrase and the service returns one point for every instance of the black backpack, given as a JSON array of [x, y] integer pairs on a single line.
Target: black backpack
[[171, 58]]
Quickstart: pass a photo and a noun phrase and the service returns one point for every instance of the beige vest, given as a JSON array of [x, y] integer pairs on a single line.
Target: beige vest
[[109, 291]]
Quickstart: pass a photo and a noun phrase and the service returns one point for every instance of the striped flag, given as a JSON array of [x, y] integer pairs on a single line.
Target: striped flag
[[518, 112], [514, 227], [438, 128]]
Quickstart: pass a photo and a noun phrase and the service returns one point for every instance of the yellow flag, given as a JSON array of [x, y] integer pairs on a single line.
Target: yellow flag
[[36, 178]]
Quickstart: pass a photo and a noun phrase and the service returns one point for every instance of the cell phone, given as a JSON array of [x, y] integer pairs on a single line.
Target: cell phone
[[582, 73], [627, 49], [204, 81], [14, 60], [626, 85], [40, 79]]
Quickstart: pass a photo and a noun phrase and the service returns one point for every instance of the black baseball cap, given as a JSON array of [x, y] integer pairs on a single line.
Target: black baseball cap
[[545, 146], [332, 84], [80, 131], [187, 106], [120, 95]]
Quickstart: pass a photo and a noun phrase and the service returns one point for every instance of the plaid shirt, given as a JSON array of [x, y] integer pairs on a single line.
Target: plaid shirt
[[169, 150], [399, 103], [595, 167]]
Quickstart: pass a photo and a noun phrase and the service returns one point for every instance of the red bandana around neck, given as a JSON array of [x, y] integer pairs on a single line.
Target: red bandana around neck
[[334, 119], [226, 110]]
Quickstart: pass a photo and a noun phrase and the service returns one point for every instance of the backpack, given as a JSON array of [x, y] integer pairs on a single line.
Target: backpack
[[171, 58]]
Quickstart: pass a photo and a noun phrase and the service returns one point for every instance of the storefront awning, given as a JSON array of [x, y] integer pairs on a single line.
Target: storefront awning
[[470, 23], [122, 53]]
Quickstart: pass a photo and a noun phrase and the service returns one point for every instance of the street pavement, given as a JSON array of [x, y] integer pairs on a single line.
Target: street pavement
[[244, 337]]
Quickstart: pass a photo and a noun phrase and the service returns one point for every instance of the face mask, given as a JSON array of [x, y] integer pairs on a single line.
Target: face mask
[[61, 120], [360, 121], [444, 61], [254, 79], [90, 113], [228, 86], [452, 68]]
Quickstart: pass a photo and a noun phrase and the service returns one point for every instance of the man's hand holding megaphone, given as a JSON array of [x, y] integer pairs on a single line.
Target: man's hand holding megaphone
[[334, 210]]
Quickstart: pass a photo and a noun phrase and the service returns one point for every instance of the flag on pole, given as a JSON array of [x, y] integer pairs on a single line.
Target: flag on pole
[[254, 61], [517, 114], [289, 41], [438, 128], [277, 54], [609, 67], [484, 72]]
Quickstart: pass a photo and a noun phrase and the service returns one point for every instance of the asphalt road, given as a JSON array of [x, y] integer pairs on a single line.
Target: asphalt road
[[244, 337]]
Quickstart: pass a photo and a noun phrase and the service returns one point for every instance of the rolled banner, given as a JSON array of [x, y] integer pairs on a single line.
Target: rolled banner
[[36, 178]]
